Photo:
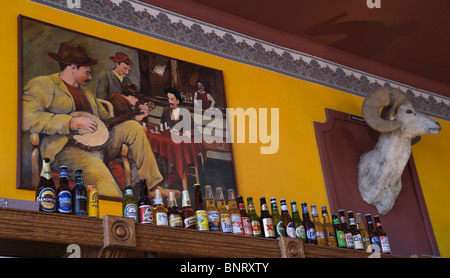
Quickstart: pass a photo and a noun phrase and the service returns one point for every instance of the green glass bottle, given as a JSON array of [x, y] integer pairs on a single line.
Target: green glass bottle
[[298, 223], [254, 218], [277, 219], [129, 204]]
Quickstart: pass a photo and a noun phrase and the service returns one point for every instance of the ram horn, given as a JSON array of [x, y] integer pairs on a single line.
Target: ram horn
[[387, 98]]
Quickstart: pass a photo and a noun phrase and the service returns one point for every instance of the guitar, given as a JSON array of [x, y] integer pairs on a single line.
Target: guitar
[[94, 141]]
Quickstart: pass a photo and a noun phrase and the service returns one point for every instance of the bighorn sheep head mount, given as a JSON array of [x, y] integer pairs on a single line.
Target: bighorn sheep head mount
[[380, 170]]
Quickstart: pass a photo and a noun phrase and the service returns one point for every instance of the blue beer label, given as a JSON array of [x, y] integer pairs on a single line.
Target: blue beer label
[[65, 202]]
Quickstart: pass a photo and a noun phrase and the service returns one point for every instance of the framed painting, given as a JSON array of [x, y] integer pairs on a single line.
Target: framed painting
[[114, 110]]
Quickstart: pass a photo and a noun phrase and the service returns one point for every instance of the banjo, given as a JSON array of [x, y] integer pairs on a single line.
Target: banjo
[[94, 141]]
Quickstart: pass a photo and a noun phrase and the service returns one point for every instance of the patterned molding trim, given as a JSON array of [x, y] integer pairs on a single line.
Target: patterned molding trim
[[171, 27]]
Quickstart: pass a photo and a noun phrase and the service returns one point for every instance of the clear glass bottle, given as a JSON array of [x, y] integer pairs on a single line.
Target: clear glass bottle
[[235, 214], [213, 212]]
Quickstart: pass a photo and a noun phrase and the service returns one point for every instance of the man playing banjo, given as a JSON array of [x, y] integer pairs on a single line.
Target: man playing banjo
[[48, 102]]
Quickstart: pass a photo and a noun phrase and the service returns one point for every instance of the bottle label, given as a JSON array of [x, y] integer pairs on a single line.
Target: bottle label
[[161, 219], [269, 230], [300, 232], [175, 221], [311, 233], [201, 220], [146, 214], [351, 221], [358, 242], [214, 220], [47, 200], [225, 222], [349, 240], [190, 221], [130, 211], [341, 239], [236, 224], [251, 207], [246, 226], [280, 229], [290, 230], [93, 201], [65, 202], [256, 228], [284, 207], [385, 247], [129, 192]]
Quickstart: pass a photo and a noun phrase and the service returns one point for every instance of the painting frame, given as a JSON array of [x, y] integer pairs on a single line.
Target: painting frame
[[146, 81]]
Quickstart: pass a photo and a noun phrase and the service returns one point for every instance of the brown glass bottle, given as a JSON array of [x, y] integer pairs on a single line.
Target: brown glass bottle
[[173, 213], [287, 219], [384, 241], [45, 189], [201, 215], [357, 237], [246, 223], [144, 205], [346, 229], [64, 193], [309, 225], [187, 213], [267, 227], [373, 234]]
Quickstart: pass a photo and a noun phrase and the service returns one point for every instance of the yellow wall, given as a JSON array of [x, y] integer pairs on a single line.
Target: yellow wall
[[294, 172]]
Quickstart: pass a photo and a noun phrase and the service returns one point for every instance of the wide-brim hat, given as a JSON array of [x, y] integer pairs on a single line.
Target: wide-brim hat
[[121, 57], [72, 54], [131, 89]]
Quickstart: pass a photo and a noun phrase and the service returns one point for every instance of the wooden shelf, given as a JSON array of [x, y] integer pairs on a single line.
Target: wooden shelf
[[38, 234]]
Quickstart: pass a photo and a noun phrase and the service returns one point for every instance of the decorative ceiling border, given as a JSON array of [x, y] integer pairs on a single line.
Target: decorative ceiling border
[[178, 29]]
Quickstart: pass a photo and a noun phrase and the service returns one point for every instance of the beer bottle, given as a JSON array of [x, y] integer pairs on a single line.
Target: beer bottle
[[79, 194], [309, 225], [173, 212], [201, 215], [357, 237], [64, 192], [340, 234], [373, 234], [159, 211], [225, 216], [318, 226], [300, 231], [236, 220], [266, 220], [384, 241], [330, 233], [254, 218], [287, 219], [246, 224], [346, 229], [45, 189], [276, 218], [129, 205], [365, 235], [213, 213], [144, 205], [187, 213]]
